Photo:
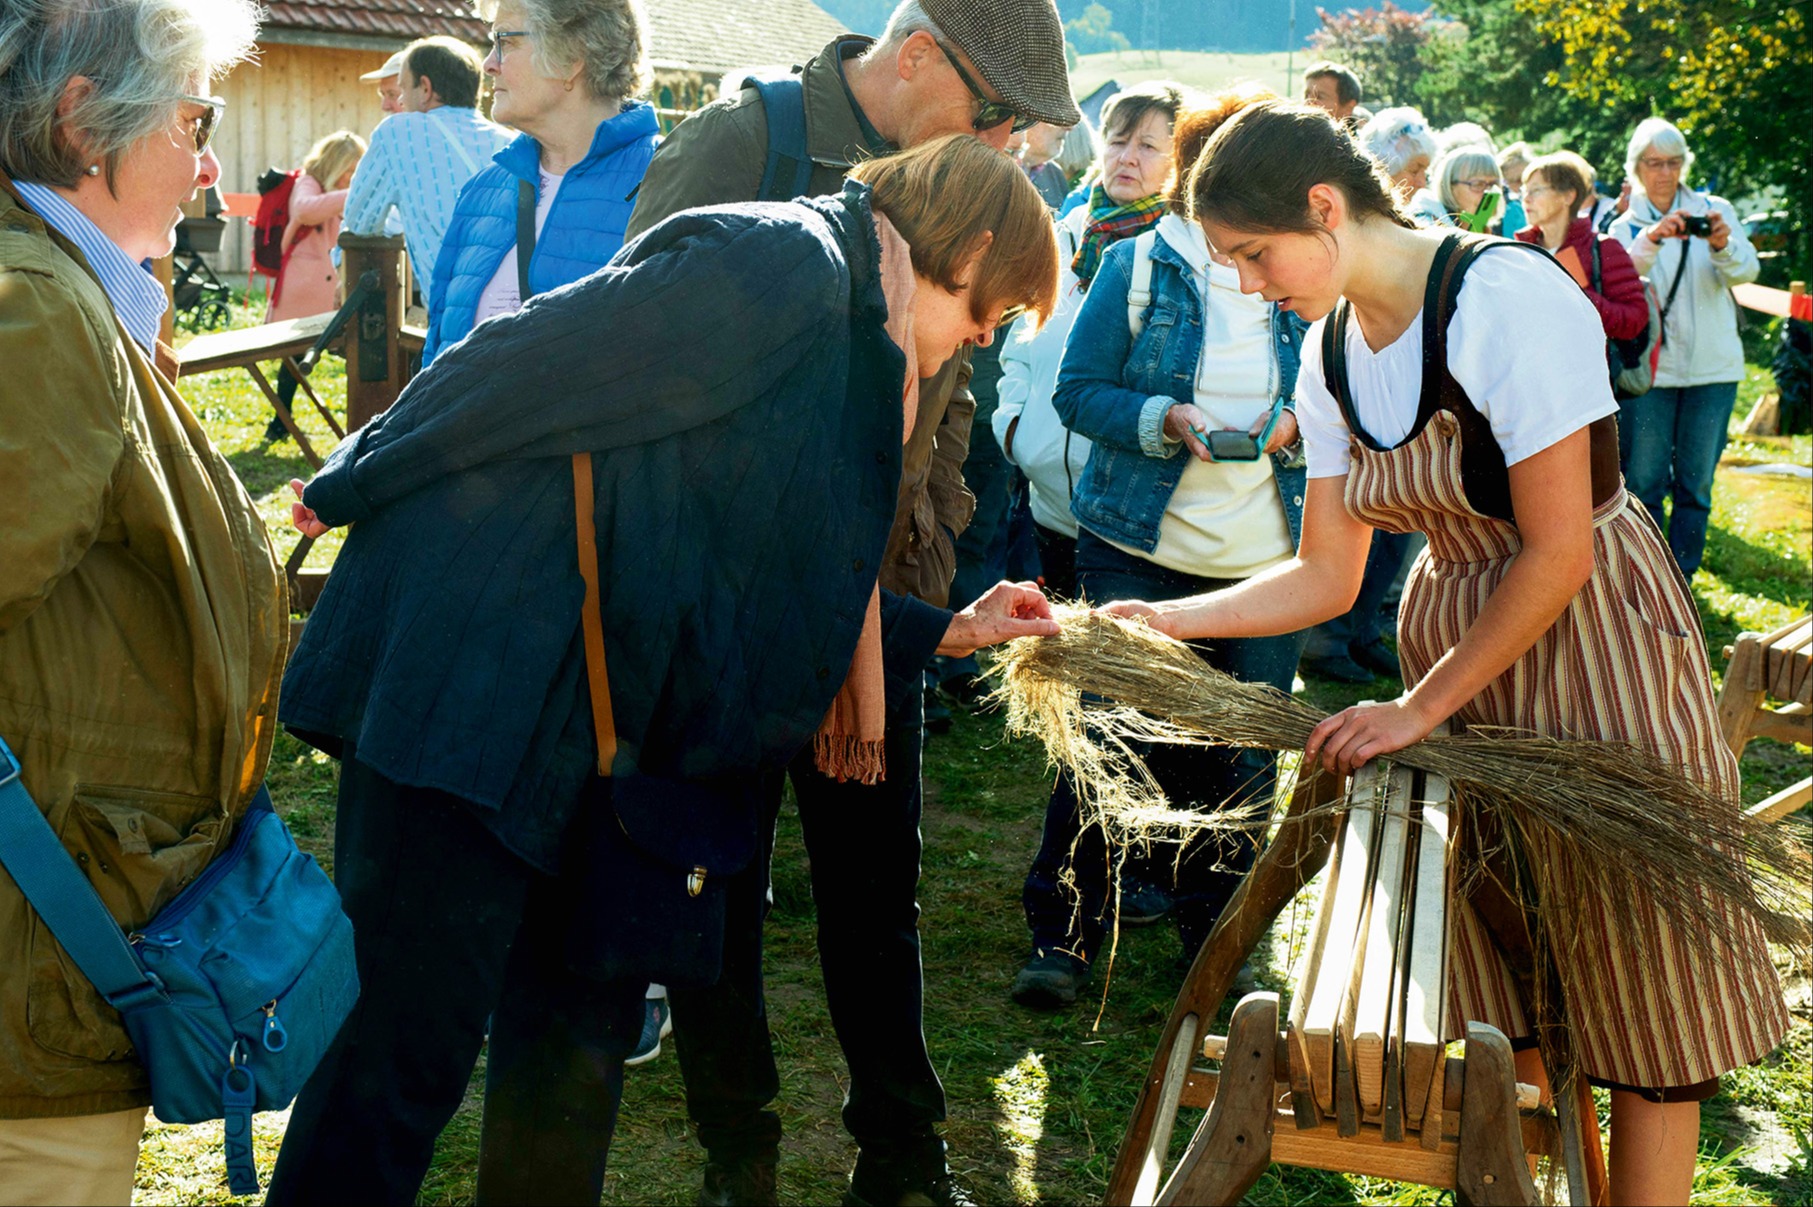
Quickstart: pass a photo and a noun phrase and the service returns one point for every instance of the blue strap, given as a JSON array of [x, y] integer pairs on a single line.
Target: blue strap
[[238, 1094], [788, 171], [63, 897]]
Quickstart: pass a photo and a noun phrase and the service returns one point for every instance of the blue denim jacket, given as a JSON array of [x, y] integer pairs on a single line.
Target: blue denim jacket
[[1115, 390]]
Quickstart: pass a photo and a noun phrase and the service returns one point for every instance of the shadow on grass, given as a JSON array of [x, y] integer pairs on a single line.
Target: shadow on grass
[[268, 467]]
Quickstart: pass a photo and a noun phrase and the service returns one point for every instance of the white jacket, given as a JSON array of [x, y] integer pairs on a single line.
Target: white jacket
[[1048, 453], [1700, 343]]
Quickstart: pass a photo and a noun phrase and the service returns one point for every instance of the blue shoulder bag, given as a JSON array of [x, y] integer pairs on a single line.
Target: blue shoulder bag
[[232, 993]]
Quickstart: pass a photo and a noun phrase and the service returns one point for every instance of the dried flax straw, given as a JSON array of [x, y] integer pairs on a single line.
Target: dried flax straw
[[1638, 831]]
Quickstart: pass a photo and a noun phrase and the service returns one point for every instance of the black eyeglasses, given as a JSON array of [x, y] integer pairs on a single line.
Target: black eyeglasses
[[989, 112], [212, 108], [500, 36]]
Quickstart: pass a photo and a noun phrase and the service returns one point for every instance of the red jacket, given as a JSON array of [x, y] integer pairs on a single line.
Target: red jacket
[[1623, 310]]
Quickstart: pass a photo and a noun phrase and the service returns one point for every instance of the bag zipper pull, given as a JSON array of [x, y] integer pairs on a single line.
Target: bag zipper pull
[[275, 1037]]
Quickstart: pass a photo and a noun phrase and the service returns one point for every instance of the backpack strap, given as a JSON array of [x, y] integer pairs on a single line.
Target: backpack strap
[[1484, 474], [788, 171], [1139, 290]]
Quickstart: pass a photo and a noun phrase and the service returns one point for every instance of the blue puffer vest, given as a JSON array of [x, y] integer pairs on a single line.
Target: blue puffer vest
[[1115, 390], [583, 230]]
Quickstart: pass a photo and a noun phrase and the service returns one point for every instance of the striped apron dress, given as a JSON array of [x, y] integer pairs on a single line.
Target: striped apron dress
[[1625, 662]]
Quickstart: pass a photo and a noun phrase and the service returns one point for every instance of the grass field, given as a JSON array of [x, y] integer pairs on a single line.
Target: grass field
[[1037, 1102], [1208, 70]]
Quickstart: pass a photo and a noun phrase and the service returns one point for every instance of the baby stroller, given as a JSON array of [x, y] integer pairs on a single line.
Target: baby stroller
[[201, 297]]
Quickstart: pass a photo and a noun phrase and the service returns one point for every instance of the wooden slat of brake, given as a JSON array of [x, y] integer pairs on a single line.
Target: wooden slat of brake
[[1426, 977], [1373, 998], [1303, 1086], [1326, 982], [1364, 812], [1785, 661], [1395, 1121]]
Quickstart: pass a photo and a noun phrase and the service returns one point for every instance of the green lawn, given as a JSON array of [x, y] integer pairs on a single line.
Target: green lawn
[[1209, 70], [1037, 1102]]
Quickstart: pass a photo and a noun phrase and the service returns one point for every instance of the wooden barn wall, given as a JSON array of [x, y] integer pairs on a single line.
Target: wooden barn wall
[[276, 108]]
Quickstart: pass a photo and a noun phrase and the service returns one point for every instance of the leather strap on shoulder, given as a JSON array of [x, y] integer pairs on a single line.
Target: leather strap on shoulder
[[604, 723]]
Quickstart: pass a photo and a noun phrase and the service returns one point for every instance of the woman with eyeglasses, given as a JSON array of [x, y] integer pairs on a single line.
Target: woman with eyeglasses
[[1460, 182], [1194, 482], [1691, 249], [142, 614], [1555, 189], [563, 73]]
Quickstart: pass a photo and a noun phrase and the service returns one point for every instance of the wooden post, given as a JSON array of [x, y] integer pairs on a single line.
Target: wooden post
[[164, 269], [375, 370]]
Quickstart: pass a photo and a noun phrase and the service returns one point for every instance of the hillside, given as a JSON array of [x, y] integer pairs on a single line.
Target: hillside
[[1209, 70]]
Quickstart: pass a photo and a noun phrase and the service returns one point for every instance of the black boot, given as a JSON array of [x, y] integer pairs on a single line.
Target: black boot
[[740, 1181], [908, 1176]]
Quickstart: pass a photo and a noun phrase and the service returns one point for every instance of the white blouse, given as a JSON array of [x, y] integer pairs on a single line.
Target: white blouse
[[1525, 344]]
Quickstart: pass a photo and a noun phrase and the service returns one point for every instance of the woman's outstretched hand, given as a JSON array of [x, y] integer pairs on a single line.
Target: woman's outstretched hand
[[304, 518], [1355, 736], [1137, 609]]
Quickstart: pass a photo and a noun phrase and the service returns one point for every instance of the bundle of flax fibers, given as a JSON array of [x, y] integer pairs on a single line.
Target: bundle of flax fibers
[[1550, 819]]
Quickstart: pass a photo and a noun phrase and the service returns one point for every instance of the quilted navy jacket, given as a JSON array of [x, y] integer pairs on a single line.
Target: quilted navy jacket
[[745, 487], [584, 227]]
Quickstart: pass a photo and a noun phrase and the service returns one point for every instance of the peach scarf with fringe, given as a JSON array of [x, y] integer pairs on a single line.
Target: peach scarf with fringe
[[850, 741]]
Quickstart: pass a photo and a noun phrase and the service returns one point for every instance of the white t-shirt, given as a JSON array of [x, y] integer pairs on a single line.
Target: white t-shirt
[[1525, 344], [500, 295], [1224, 520]]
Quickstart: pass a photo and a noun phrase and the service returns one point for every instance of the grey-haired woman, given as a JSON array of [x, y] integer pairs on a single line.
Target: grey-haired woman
[[142, 622]]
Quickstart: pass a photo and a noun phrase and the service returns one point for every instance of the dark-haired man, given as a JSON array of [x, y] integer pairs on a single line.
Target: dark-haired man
[[420, 157], [1334, 87], [940, 67]]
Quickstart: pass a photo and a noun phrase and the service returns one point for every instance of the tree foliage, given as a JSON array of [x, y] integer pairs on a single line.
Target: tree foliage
[[1093, 32], [1731, 73], [1388, 47]]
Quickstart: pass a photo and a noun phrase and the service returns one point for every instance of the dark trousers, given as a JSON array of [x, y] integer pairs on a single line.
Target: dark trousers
[[1057, 562], [1203, 875], [863, 843], [450, 929], [1364, 622]]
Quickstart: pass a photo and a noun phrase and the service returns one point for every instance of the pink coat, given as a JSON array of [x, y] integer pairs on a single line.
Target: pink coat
[[308, 282]]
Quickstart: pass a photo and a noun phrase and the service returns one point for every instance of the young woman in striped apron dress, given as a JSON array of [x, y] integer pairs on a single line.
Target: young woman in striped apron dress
[[1457, 386]]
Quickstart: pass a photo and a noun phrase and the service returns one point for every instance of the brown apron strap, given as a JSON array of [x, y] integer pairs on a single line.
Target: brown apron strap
[[604, 724]]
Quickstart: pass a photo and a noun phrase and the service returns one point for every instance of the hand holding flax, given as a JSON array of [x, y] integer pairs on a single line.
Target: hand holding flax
[[1006, 611]]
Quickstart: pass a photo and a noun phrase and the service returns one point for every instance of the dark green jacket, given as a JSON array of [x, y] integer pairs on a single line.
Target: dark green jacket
[[715, 157], [142, 633]]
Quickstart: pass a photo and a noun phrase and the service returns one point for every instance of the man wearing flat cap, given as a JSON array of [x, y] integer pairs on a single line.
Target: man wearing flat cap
[[982, 67]]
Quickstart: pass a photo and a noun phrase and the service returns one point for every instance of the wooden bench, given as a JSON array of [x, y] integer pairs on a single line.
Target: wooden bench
[[244, 348], [1760, 666], [1359, 1077]]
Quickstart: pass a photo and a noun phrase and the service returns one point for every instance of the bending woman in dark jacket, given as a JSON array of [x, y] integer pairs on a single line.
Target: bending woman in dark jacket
[[737, 374]]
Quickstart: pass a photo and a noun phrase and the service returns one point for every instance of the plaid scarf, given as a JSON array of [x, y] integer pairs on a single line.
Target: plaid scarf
[[1110, 223]]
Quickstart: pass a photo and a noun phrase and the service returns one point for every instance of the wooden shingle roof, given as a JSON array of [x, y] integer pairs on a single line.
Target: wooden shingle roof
[[711, 36]]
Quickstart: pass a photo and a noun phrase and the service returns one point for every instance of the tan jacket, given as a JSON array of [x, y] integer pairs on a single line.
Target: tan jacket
[[142, 633], [716, 157]]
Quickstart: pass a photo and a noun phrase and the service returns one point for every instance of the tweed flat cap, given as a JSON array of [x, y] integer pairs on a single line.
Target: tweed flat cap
[[1018, 45]]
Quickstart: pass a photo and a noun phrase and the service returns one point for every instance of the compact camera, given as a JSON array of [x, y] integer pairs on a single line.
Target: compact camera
[[1700, 225]]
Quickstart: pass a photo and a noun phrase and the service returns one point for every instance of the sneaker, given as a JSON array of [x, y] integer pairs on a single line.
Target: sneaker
[[740, 1182], [657, 1025], [894, 1182], [1338, 667], [275, 431], [1143, 904], [1377, 656], [1050, 980]]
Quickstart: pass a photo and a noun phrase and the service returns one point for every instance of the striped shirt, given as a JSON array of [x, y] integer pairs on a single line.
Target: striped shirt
[[417, 162], [138, 297]]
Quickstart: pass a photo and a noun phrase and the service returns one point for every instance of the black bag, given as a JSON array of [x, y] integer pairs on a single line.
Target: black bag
[[652, 866]]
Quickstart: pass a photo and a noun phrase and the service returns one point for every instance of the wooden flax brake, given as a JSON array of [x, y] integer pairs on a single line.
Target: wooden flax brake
[[1360, 1079]]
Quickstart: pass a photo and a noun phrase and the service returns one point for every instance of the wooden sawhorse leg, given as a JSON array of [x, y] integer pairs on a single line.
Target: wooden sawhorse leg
[[283, 414], [333, 425]]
